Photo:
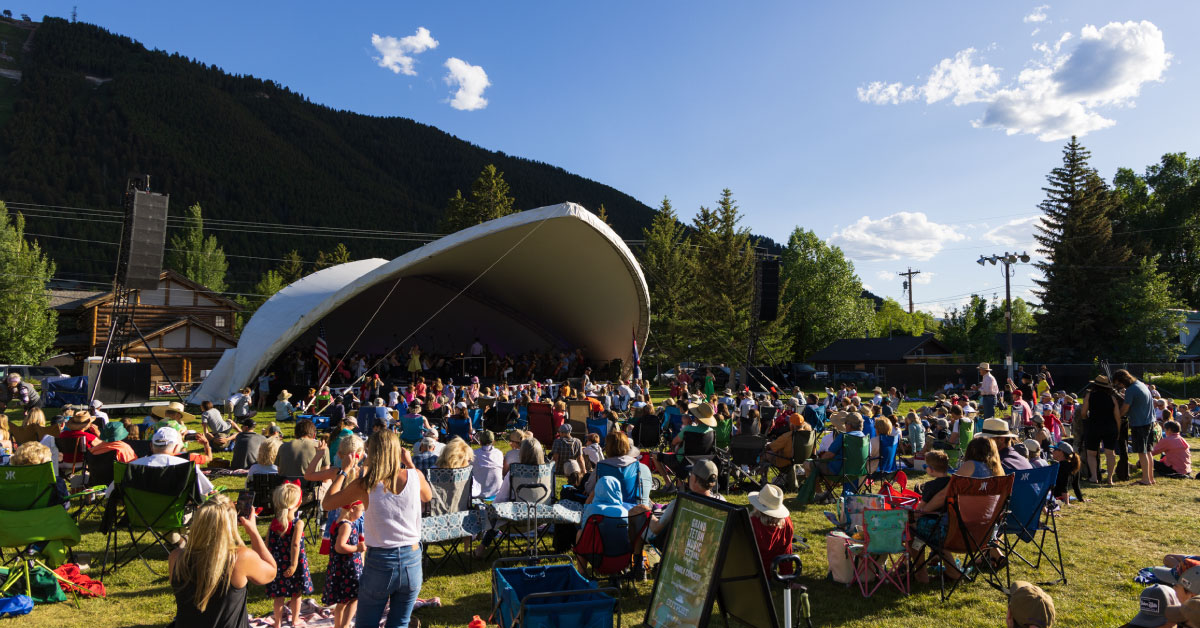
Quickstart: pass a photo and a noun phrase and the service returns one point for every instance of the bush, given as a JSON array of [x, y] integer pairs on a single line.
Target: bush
[[1176, 384]]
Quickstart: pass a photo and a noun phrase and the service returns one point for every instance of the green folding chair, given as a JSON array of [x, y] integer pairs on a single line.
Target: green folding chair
[[34, 522], [146, 502], [855, 455], [966, 431], [723, 433]]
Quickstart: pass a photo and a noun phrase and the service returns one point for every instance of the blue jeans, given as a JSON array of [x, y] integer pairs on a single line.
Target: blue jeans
[[389, 574], [989, 406]]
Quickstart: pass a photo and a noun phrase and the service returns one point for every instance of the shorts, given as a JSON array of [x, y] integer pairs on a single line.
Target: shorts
[[824, 467], [1094, 438], [932, 528], [1139, 438]]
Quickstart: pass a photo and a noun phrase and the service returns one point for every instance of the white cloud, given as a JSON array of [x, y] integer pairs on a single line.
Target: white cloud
[[903, 235], [397, 54], [471, 81], [1017, 232], [925, 278], [1055, 96], [1038, 15]]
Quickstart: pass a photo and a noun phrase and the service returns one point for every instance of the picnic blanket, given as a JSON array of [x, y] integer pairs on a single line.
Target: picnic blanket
[[317, 616]]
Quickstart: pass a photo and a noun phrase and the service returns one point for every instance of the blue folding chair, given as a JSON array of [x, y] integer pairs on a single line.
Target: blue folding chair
[[412, 429], [631, 487], [672, 421], [1028, 516], [815, 417], [460, 428], [476, 415], [522, 417], [598, 425]]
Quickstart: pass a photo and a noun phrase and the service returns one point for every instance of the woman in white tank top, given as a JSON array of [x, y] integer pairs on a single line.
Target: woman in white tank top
[[392, 490]]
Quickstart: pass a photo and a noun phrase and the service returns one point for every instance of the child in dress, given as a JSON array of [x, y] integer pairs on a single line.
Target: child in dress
[[345, 566], [286, 542]]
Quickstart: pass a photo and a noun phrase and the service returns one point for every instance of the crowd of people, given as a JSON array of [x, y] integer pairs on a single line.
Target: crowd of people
[[382, 442]]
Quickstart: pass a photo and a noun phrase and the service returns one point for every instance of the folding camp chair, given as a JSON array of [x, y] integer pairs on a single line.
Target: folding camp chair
[[412, 429], [71, 450], [141, 448], [883, 554], [723, 432], [310, 510], [885, 466], [804, 443], [460, 428], [647, 433], [153, 501], [697, 446], [577, 415], [99, 474], [672, 421], [631, 487], [855, 455], [975, 508], [263, 485], [606, 545], [522, 417], [531, 494], [32, 522], [598, 425], [541, 423], [451, 518], [1028, 516], [745, 452], [476, 415]]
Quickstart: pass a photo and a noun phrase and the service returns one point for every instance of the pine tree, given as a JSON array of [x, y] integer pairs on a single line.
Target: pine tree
[[339, 255], [28, 325], [1148, 324], [197, 257], [668, 262], [489, 200], [1083, 268], [292, 267], [270, 283], [602, 214], [457, 214], [823, 294]]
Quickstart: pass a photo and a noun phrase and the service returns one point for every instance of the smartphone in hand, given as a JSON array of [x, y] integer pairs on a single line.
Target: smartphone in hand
[[245, 504]]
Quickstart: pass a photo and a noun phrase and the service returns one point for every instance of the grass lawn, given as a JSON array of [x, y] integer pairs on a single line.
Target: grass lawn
[[1105, 542]]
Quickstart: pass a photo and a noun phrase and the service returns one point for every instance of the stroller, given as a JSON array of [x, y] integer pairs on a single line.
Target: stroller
[[549, 596]]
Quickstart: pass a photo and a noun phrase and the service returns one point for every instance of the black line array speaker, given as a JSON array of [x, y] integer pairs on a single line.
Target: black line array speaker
[[768, 290], [122, 382], [142, 240]]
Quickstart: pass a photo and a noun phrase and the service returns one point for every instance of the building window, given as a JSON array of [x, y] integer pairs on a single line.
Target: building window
[[220, 322]]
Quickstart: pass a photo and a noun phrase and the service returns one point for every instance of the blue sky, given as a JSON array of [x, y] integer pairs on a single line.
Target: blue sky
[[909, 134]]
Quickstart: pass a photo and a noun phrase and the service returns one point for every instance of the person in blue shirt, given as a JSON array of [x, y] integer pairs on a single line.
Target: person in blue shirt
[[1138, 409], [830, 462]]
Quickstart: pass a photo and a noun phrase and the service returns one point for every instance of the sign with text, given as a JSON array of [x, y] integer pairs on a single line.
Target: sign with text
[[710, 556]]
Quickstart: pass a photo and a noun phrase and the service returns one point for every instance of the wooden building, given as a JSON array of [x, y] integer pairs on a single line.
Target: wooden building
[[187, 325]]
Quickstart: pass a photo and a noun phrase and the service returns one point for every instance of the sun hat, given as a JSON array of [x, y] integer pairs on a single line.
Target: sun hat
[[796, 419], [703, 413], [705, 470], [1029, 605], [996, 428], [174, 406], [79, 421], [1153, 604], [1186, 574], [462, 405], [877, 390], [1064, 447], [1102, 382], [284, 395], [97, 404], [769, 501], [113, 432], [166, 436], [1188, 612], [983, 366], [350, 420], [565, 428], [1032, 446]]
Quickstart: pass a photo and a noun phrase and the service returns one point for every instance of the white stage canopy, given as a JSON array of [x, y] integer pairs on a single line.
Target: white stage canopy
[[553, 277]]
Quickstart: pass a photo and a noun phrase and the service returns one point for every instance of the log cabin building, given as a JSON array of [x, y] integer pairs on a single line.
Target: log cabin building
[[186, 324]]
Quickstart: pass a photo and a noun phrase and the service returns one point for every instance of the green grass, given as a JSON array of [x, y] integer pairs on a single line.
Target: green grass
[[1105, 542]]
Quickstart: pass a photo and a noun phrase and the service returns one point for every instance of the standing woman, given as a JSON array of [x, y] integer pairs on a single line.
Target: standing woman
[[710, 385], [393, 492], [1101, 412]]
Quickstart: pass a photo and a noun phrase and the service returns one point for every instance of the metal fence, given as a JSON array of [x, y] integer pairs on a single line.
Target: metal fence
[[930, 378]]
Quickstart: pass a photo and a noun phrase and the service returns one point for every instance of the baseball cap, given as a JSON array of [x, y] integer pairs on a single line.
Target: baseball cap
[[1064, 447], [705, 470], [166, 436], [462, 405], [248, 423], [1186, 574], [1029, 604], [486, 437], [1153, 604], [565, 428]]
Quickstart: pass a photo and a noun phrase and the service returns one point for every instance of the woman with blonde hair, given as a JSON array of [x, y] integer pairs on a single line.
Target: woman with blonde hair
[[36, 417], [31, 454], [456, 455], [264, 464], [392, 490], [209, 575]]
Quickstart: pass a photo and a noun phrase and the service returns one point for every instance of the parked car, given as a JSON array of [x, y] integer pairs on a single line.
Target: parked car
[[802, 373], [858, 378], [821, 377], [29, 372]]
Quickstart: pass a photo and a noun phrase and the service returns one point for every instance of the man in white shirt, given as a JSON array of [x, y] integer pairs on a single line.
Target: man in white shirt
[[476, 348], [487, 471], [100, 415], [989, 389], [746, 405], [165, 445]]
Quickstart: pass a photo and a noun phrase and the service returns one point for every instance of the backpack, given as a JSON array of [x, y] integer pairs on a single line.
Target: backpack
[[841, 564]]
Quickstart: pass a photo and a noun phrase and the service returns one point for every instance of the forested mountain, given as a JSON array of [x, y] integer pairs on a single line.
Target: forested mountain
[[93, 107]]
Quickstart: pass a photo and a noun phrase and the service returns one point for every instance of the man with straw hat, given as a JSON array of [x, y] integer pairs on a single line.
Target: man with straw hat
[[771, 523], [699, 419], [79, 426], [1011, 459], [989, 389], [171, 415], [283, 407]]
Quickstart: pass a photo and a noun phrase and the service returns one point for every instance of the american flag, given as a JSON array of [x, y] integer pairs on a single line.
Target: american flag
[[637, 360], [321, 351]]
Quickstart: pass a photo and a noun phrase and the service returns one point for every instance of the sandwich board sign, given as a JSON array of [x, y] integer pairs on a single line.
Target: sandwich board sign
[[710, 556]]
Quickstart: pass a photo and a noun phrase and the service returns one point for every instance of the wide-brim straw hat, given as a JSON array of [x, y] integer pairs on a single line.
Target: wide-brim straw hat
[[996, 428], [769, 501], [1102, 382], [703, 413], [174, 406], [284, 395], [984, 366], [79, 421]]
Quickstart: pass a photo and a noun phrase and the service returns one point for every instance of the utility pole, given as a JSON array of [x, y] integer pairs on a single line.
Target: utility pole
[[1007, 260], [74, 13], [908, 285]]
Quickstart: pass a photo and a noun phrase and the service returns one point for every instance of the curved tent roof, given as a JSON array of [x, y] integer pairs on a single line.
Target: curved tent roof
[[555, 276]]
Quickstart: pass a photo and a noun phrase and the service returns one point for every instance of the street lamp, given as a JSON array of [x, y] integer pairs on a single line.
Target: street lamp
[[1008, 259]]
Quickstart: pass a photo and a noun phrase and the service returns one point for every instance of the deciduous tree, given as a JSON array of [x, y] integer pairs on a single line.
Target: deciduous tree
[[28, 325]]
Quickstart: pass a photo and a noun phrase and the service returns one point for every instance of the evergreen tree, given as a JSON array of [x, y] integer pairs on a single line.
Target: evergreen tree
[[270, 283], [292, 268], [1083, 271], [668, 262], [196, 256], [490, 199], [339, 255], [823, 294], [602, 214], [28, 326]]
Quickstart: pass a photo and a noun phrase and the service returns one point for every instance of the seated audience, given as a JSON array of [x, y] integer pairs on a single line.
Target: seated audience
[[1176, 454], [488, 468], [166, 445], [264, 463], [1029, 607], [771, 523], [295, 455], [112, 438], [1152, 607], [246, 445]]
